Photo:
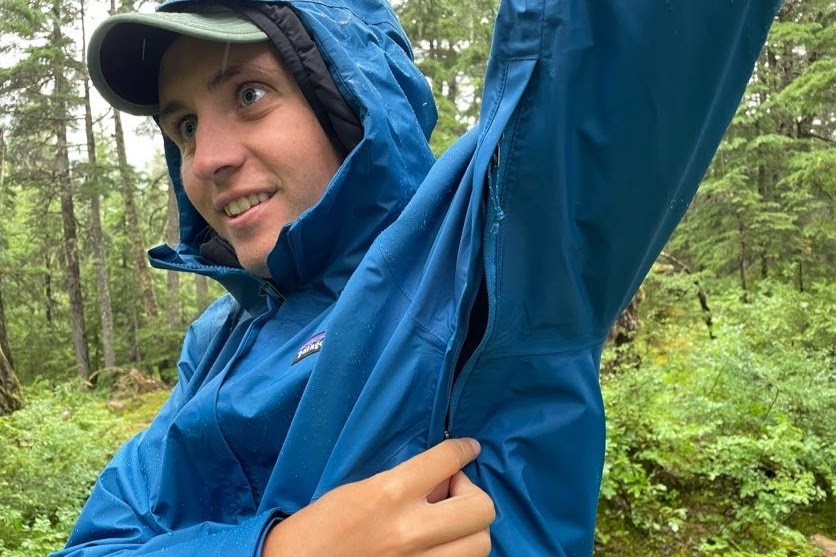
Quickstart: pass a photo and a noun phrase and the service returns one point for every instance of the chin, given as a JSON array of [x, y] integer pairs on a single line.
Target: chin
[[260, 270], [255, 265]]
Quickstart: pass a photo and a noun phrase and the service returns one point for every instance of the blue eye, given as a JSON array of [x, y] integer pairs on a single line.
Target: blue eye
[[188, 127], [250, 95]]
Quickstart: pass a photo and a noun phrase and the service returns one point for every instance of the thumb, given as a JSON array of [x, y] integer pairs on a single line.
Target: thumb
[[437, 464]]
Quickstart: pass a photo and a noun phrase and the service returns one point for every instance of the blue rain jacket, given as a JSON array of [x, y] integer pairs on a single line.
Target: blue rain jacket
[[598, 121]]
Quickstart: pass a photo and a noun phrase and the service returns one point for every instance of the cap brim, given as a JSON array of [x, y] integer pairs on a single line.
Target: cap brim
[[126, 49]]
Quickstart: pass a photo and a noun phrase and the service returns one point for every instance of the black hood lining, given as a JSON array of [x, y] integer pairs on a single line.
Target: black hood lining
[[291, 39]]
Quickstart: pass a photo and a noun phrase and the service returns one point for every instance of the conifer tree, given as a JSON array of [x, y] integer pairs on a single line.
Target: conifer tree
[[39, 93]]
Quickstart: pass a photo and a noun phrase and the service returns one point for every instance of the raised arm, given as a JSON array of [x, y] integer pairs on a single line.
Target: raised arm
[[609, 114], [599, 120]]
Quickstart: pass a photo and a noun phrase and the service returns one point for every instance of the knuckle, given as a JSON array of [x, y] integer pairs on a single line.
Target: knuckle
[[391, 488], [463, 450], [458, 445]]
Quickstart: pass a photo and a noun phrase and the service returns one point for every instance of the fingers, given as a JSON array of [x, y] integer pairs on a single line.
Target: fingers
[[439, 492], [477, 544], [467, 511], [425, 471], [460, 485], [390, 513]]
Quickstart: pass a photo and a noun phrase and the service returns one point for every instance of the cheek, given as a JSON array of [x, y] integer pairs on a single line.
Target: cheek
[[199, 196], [319, 176], [312, 187]]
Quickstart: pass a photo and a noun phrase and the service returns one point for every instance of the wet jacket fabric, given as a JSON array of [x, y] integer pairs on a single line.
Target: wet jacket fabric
[[598, 121]]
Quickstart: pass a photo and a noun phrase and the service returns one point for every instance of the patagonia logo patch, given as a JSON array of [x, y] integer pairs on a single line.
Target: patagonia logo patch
[[312, 345]]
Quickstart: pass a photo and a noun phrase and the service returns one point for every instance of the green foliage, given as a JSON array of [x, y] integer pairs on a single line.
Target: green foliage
[[53, 451], [451, 39], [766, 206], [713, 449]]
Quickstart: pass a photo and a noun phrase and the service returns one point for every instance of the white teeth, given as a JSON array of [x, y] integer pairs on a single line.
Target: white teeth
[[238, 206]]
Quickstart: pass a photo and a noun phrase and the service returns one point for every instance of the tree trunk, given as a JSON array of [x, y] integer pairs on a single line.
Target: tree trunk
[[622, 334], [800, 275], [702, 296], [741, 262], [764, 194], [96, 233], [4, 336], [136, 349], [2, 155], [143, 272], [49, 302], [172, 237], [626, 325], [10, 396], [201, 288], [62, 175]]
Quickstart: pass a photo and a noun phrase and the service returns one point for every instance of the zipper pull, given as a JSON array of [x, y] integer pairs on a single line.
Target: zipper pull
[[493, 186], [496, 158], [267, 289]]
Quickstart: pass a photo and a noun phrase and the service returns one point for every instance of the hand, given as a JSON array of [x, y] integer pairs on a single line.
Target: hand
[[394, 513]]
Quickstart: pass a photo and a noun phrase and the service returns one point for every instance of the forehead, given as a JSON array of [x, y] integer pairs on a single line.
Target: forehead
[[191, 63]]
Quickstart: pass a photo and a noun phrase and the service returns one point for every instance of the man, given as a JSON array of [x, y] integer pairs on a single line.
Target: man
[[380, 301]]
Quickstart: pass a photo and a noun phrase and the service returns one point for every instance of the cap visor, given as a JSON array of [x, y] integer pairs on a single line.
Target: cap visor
[[126, 49]]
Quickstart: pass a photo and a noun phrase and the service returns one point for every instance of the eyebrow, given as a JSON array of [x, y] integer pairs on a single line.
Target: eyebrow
[[223, 75], [170, 108], [218, 78]]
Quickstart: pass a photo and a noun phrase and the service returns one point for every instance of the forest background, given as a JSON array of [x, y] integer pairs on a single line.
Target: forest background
[[718, 380]]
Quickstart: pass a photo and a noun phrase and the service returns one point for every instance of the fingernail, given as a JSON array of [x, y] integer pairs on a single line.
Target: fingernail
[[477, 448]]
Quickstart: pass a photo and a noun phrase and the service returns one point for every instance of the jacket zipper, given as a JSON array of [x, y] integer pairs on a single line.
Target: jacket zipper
[[268, 289], [495, 216]]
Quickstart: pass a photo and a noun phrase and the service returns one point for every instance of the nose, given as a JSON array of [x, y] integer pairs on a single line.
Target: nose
[[217, 152]]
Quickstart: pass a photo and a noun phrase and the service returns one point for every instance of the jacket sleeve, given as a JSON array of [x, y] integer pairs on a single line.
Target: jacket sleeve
[[128, 511], [599, 120]]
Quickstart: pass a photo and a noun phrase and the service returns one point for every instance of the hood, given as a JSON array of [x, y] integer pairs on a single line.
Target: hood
[[370, 59]]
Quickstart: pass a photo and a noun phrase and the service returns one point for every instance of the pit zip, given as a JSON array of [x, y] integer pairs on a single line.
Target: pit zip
[[460, 342], [491, 229]]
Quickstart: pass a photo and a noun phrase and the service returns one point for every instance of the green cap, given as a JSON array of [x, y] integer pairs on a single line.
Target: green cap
[[126, 49]]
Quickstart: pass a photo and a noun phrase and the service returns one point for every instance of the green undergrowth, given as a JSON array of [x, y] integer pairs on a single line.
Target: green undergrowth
[[726, 447], [52, 451]]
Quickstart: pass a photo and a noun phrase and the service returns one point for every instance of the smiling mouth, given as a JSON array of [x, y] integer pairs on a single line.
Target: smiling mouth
[[243, 204]]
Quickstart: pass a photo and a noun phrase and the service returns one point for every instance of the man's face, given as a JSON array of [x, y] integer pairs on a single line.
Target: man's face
[[254, 155]]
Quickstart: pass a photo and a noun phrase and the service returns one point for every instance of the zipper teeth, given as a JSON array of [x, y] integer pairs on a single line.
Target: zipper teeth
[[451, 381], [494, 196], [265, 286]]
